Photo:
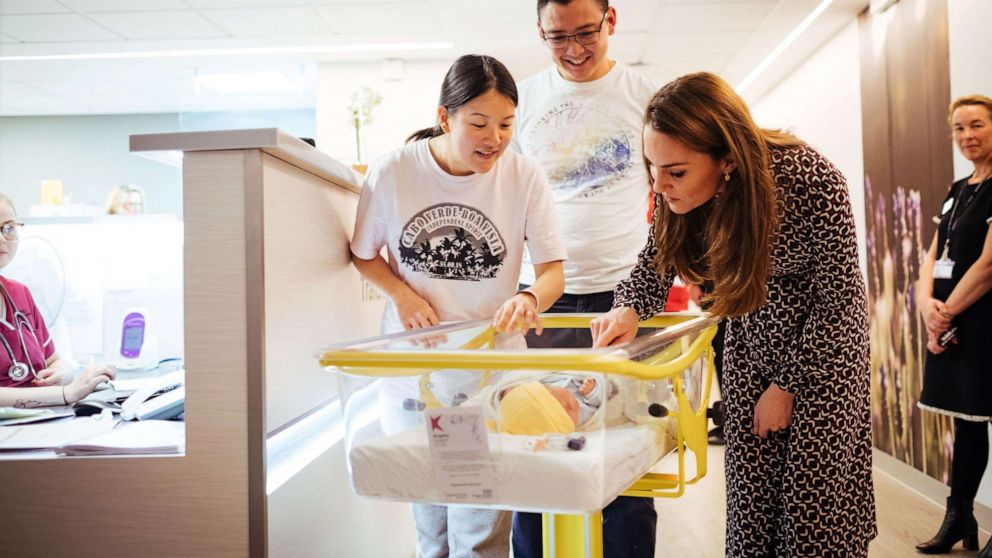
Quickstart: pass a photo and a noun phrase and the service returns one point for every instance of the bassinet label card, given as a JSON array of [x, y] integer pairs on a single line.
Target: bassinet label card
[[460, 456]]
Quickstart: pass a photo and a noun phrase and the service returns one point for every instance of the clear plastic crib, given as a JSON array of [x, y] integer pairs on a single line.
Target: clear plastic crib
[[458, 414]]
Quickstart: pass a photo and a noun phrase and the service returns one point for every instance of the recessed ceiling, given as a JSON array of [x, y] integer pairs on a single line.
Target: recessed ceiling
[[664, 38]]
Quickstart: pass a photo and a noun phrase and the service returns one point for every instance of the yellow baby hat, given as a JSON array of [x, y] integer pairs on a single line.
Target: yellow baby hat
[[531, 410]]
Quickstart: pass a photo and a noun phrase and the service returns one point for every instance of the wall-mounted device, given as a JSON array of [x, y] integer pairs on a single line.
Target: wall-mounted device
[[129, 340], [142, 326], [132, 334]]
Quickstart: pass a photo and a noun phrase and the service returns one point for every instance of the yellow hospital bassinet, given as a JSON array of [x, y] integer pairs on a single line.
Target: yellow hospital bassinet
[[425, 421]]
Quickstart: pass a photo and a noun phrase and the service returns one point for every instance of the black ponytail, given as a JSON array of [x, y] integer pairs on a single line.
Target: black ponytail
[[470, 76], [426, 133]]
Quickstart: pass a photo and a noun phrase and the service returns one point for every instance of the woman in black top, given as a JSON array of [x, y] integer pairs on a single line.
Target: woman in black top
[[954, 299]]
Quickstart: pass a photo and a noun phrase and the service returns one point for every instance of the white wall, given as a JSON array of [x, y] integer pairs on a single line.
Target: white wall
[[970, 45], [821, 102], [408, 105], [89, 154]]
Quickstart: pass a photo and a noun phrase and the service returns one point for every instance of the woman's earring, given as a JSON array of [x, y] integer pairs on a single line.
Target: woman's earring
[[726, 176]]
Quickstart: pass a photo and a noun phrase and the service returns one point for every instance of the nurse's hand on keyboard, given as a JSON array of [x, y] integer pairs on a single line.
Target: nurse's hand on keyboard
[[88, 381]]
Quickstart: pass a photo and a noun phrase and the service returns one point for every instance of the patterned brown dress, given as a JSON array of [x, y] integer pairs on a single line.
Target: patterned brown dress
[[805, 491]]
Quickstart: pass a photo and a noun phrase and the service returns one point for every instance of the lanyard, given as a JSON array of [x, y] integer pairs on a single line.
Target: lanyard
[[951, 224]]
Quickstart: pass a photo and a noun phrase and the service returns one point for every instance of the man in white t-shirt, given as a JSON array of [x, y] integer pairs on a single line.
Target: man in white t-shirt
[[581, 119]]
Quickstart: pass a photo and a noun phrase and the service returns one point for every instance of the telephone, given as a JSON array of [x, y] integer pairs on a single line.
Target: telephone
[[163, 399]]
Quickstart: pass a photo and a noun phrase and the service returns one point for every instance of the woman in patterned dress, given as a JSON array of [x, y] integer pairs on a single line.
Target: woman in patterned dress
[[767, 219], [954, 290]]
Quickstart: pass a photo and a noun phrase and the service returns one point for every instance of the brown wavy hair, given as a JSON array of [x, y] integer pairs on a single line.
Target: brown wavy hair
[[728, 240]]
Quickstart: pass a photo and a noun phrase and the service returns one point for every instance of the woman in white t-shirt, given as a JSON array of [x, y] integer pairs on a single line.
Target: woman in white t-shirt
[[454, 210]]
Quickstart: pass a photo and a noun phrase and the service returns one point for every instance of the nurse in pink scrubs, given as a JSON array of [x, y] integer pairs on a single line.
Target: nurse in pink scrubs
[[31, 372]]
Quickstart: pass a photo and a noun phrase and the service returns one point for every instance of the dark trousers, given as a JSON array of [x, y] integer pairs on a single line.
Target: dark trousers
[[629, 524]]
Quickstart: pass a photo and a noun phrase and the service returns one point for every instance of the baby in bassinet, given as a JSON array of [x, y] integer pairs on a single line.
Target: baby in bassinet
[[536, 403]]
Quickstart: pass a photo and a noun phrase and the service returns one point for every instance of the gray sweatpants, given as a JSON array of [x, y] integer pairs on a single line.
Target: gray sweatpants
[[460, 532]]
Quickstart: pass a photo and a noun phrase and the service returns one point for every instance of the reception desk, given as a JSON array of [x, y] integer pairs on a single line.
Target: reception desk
[[267, 281]]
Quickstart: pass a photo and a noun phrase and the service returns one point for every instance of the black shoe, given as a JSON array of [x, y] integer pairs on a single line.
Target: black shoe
[[959, 525], [987, 551], [715, 437]]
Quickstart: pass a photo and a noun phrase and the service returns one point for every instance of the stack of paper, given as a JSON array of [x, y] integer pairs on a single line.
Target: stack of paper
[[10, 416], [53, 434], [133, 438]]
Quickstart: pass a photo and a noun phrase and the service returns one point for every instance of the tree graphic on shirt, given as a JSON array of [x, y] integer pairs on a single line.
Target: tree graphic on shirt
[[453, 255]]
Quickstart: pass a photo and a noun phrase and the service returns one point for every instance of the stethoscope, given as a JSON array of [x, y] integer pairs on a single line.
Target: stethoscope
[[18, 371]]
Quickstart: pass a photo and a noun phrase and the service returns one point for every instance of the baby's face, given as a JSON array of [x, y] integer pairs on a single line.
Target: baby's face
[[568, 402]]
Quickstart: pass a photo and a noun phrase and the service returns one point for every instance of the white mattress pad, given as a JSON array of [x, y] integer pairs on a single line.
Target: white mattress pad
[[399, 467]]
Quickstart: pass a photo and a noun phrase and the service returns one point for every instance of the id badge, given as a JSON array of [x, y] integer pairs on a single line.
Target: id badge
[[943, 268]]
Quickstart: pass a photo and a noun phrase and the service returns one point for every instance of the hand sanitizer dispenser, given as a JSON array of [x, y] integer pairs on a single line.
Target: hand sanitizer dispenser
[[133, 346]]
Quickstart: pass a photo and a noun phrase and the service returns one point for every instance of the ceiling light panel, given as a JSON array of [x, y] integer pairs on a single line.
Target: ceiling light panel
[[248, 82], [54, 28], [159, 25]]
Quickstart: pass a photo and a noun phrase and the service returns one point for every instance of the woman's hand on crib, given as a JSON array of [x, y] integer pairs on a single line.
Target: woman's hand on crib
[[614, 327], [773, 411], [519, 312], [414, 311]]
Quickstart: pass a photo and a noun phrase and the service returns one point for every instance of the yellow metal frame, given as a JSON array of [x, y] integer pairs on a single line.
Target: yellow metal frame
[[566, 535]]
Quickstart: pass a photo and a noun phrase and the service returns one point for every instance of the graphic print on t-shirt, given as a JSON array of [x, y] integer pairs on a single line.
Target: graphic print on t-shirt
[[452, 241], [585, 150]]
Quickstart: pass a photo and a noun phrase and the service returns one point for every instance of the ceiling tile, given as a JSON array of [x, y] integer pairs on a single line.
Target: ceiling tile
[[682, 65], [366, 2], [159, 25], [54, 28], [709, 17], [666, 45], [7, 39], [414, 17], [218, 4], [94, 6], [10, 7], [724, 1], [17, 89], [627, 47], [286, 22], [635, 15]]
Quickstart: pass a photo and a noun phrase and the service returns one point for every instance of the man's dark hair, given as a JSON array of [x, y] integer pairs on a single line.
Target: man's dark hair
[[605, 4]]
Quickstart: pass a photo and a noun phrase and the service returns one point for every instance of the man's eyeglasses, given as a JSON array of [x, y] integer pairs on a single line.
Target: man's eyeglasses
[[11, 231], [583, 37]]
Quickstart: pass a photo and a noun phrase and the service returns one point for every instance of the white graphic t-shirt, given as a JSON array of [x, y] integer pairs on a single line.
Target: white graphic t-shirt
[[458, 241], [587, 137]]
